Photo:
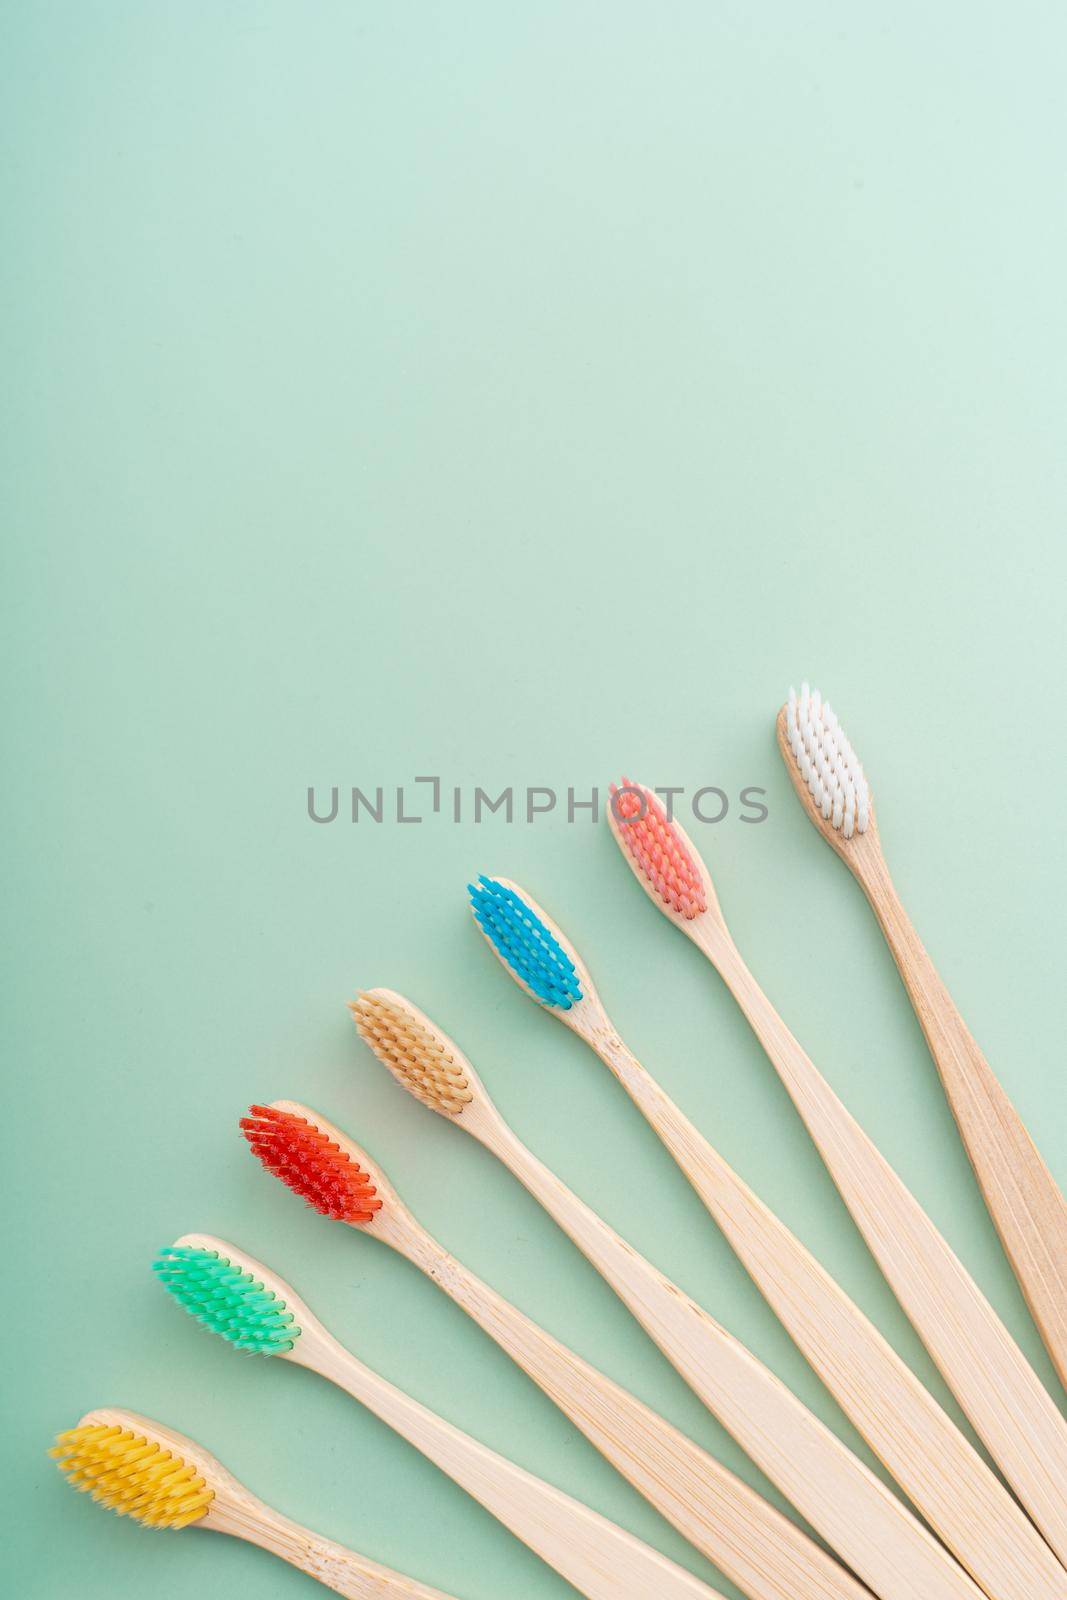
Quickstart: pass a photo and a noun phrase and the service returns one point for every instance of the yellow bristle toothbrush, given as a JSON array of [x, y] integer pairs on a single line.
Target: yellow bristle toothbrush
[[840, 1497], [1026, 1204], [765, 1554], [948, 1482], [255, 1310], [143, 1470], [1011, 1411]]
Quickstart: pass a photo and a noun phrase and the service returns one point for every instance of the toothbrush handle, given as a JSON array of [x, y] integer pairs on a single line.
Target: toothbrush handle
[[342, 1570], [1000, 1392], [763, 1552], [858, 1516], [1026, 1205], [600, 1559], [910, 1433]]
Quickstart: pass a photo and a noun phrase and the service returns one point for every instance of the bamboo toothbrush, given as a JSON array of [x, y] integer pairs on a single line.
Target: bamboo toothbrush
[[764, 1553], [945, 1477], [1010, 1410], [1024, 1201], [255, 1310], [141, 1469], [857, 1515]]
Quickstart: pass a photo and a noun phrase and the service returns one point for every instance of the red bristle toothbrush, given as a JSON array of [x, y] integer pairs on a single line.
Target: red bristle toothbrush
[[999, 1391], [143, 1470], [765, 1554], [254, 1310], [840, 1497], [946, 1479]]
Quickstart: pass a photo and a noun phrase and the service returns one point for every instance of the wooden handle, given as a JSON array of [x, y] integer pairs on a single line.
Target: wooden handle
[[1010, 1409], [1026, 1204], [760, 1550], [342, 1570], [926, 1453], [858, 1516], [355, 1577], [599, 1558]]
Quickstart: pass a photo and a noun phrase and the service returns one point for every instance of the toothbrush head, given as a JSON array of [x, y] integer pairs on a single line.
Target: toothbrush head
[[823, 765], [537, 955], [214, 1287], [315, 1160], [137, 1468], [420, 1057], [660, 855]]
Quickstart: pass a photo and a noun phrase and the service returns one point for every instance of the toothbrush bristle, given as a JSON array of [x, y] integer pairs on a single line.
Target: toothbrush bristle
[[522, 941], [423, 1060], [827, 762], [226, 1299], [656, 848], [133, 1475], [311, 1164]]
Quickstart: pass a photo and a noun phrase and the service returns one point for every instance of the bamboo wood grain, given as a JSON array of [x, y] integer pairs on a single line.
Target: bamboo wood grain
[[760, 1550], [942, 1473], [599, 1558], [840, 1497], [239, 1513], [918, 1443], [1010, 1410], [1024, 1200]]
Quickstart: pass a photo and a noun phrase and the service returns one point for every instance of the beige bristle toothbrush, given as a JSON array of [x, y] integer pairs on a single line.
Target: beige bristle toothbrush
[[1025, 1202], [143, 1470], [861, 1519], [1001, 1394], [946, 1479], [762, 1551], [253, 1309]]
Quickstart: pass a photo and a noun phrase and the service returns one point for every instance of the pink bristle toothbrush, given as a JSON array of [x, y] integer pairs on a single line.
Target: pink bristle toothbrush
[[946, 1479], [840, 1497], [999, 1391]]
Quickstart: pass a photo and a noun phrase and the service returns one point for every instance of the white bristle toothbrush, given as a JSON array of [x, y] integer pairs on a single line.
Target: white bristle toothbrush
[[840, 1497], [143, 1470], [1025, 1202], [947, 1481], [1011, 1411], [253, 1309], [763, 1552]]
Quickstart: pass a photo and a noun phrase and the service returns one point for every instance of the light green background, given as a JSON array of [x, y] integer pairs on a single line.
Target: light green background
[[522, 394]]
